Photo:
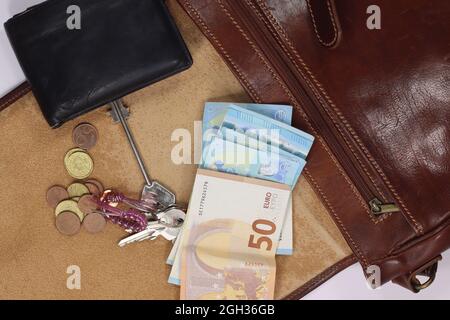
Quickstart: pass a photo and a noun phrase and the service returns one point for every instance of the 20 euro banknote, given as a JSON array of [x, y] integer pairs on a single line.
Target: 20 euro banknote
[[266, 130], [272, 164], [215, 111]]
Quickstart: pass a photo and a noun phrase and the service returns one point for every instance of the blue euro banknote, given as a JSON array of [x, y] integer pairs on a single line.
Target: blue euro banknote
[[272, 164], [265, 129], [214, 113]]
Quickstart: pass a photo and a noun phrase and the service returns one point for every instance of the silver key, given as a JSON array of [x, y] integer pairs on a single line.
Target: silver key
[[165, 197], [140, 236], [168, 233], [173, 218], [154, 235], [168, 225]]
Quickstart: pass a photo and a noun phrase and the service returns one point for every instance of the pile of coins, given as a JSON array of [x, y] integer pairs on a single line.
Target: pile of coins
[[75, 206]]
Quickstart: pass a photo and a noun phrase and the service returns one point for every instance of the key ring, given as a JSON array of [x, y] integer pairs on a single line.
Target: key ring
[[149, 205], [131, 219]]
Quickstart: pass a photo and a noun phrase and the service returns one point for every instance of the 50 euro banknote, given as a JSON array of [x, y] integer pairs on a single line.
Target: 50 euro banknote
[[229, 242]]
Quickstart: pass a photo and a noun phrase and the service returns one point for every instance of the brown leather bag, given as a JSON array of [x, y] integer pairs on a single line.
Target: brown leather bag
[[378, 103]]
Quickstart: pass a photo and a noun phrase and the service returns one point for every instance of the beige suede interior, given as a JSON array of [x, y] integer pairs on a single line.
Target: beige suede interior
[[34, 257]]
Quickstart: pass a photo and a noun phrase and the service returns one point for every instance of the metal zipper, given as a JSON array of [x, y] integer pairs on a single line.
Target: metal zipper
[[318, 116]]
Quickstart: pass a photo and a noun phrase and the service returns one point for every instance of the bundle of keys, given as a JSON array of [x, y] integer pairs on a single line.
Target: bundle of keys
[[167, 225], [144, 218]]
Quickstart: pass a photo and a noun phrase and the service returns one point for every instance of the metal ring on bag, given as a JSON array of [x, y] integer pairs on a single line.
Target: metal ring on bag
[[429, 271]]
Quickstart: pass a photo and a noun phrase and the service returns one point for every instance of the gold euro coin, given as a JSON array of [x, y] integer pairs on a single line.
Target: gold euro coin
[[70, 152], [79, 165], [69, 205], [77, 190]]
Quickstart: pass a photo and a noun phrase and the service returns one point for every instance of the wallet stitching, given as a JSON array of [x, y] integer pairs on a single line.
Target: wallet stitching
[[375, 220], [244, 79], [418, 227], [14, 97], [326, 44], [287, 92]]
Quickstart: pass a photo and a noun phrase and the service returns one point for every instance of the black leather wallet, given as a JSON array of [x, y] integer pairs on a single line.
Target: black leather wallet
[[121, 46]]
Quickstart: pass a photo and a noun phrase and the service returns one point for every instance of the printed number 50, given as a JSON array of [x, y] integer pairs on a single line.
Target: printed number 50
[[256, 226]]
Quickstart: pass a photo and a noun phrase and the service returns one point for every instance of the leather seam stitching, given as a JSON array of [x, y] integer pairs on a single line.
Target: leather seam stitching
[[286, 90], [265, 64], [418, 227], [333, 22], [337, 219], [339, 129], [375, 220], [293, 101], [244, 79], [352, 186]]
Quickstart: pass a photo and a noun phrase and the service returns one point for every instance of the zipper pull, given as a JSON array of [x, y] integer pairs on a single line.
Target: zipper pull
[[379, 208]]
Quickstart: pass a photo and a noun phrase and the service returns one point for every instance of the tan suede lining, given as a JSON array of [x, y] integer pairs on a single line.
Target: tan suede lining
[[34, 256]]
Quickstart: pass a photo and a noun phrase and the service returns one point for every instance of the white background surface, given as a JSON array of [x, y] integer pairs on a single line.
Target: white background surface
[[349, 284]]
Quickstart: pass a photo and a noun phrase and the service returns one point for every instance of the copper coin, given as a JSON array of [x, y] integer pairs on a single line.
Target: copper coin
[[55, 195], [97, 183], [68, 223], [87, 204], [93, 189], [85, 136], [94, 222]]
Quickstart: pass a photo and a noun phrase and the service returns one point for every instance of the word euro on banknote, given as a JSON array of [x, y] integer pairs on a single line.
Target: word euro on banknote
[[228, 249]]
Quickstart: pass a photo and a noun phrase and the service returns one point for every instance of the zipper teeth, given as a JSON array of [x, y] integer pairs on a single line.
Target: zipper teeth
[[319, 120]]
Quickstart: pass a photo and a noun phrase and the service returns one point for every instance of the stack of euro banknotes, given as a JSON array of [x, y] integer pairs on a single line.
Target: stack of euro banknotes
[[240, 211]]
